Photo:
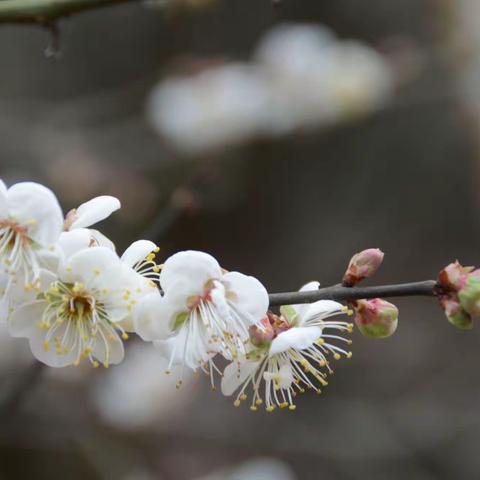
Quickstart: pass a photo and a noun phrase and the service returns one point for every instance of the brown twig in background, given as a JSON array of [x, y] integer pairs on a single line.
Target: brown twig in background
[[45, 11]]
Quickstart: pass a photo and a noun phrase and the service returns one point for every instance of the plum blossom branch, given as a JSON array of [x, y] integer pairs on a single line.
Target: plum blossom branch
[[341, 293], [46, 11]]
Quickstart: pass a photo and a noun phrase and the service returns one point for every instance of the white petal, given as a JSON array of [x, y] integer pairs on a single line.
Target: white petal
[[36, 207], [116, 350], [235, 375], [95, 210], [321, 309], [100, 240], [192, 268], [137, 252], [89, 265], [3, 200], [50, 356], [153, 317], [247, 294], [23, 321], [73, 241], [296, 313], [297, 337]]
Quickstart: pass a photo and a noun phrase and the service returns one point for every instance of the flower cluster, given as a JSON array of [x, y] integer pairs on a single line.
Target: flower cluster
[[301, 76], [65, 289]]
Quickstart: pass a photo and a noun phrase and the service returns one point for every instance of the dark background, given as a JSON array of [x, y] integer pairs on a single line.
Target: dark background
[[404, 179]]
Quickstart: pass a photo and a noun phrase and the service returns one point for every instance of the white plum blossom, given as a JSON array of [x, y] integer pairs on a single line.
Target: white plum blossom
[[31, 221], [204, 311], [78, 312], [296, 358]]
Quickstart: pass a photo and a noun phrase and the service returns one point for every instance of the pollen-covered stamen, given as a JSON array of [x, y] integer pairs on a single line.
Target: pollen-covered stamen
[[292, 371], [148, 267], [17, 250], [77, 322]]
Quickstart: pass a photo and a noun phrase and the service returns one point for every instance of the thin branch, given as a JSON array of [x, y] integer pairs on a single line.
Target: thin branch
[[339, 293], [45, 11]]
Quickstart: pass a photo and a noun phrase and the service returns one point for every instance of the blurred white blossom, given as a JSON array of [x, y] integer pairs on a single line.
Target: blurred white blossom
[[261, 468], [301, 76], [138, 393]]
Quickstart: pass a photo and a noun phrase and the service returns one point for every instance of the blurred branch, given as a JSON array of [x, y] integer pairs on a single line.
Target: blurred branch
[[27, 380], [339, 293], [46, 11]]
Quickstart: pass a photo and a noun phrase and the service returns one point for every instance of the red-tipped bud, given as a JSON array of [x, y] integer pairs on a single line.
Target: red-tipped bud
[[261, 335], [455, 313], [454, 276], [362, 265], [469, 294], [376, 318]]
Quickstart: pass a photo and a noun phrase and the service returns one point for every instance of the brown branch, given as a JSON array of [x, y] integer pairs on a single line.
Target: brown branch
[[340, 293]]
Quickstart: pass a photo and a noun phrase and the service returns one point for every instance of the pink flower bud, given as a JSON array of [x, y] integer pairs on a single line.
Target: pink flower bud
[[262, 334], [469, 294], [454, 276], [362, 265], [376, 318], [455, 313]]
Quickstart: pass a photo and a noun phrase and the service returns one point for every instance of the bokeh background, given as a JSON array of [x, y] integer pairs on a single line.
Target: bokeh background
[[288, 207]]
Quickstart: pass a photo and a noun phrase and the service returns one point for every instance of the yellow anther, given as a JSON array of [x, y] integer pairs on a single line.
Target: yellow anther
[[95, 364], [259, 401], [156, 268], [156, 249], [292, 407], [236, 403], [349, 355], [125, 336], [336, 356], [270, 408], [322, 363], [243, 397], [150, 257], [253, 408], [283, 405], [106, 364], [320, 341], [46, 346], [76, 363]]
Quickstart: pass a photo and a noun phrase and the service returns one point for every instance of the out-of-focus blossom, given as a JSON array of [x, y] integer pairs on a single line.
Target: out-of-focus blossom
[[301, 76], [217, 107], [203, 311], [255, 469], [138, 394], [295, 359]]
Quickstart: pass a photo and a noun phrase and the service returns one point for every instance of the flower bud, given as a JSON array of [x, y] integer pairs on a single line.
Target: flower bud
[[376, 318], [362, 265], [456, 315], [469, 294], [454, 276], [262, 334]]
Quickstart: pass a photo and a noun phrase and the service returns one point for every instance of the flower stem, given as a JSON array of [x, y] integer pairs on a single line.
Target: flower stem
[[340, 293]]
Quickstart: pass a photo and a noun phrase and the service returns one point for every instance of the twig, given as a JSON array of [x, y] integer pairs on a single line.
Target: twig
[[339, 293], [45, 11]]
